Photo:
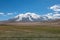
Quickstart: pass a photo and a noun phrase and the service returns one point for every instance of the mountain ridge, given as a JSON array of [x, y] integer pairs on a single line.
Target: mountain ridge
[[33, 17]]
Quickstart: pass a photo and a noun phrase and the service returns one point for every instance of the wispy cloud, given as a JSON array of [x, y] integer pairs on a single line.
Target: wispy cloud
[[53, 15], [55, 7], [2, 14], [5, 14], [9, 14]]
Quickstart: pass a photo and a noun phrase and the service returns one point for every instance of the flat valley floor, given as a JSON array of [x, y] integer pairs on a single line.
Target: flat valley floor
[[29, 31]]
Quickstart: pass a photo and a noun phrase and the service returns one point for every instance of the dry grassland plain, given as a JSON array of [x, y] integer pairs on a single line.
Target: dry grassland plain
[[29, 31]]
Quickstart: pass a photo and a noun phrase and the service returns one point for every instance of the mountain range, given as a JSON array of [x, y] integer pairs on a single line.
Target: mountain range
[[33, 17]]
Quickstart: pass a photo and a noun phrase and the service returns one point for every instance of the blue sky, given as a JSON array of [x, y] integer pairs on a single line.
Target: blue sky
[[11, 8]]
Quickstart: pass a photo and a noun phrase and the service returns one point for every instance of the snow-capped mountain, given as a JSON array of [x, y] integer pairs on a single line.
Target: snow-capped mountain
[[35, 17], [28, 17]]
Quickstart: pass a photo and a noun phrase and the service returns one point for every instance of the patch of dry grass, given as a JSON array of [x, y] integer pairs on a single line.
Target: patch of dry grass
[[34, 32]]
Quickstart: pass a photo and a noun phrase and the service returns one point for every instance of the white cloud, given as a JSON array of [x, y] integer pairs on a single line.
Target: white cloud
[[55, 7], [10, 14], [56, 16], [49, 15], [53, 15], [7, 14], [1, 13]]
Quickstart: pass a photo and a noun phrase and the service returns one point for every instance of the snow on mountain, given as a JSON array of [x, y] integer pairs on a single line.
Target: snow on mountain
[[35, 17], [29, 16]]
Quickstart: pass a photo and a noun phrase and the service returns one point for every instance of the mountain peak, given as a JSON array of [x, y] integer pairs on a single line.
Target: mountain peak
[[28, 16]]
